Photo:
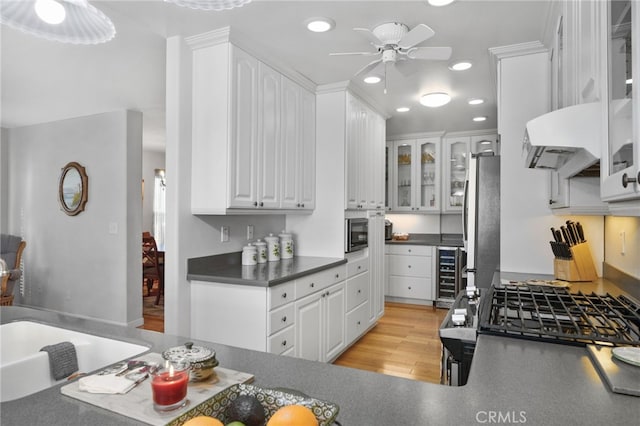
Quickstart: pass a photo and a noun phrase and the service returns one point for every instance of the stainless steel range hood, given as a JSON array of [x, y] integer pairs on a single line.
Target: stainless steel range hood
[[566, 140]]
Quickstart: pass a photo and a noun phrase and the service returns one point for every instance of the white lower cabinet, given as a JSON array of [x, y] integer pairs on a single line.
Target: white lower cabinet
[[410, 271], [320, 324]]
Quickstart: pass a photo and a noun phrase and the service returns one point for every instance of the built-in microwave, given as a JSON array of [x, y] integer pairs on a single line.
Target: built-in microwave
[[356, 233]]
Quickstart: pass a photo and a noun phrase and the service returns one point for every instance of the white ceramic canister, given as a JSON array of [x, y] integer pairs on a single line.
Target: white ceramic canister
[[273, 247], [286, 245], [249, 255], [262, 251]]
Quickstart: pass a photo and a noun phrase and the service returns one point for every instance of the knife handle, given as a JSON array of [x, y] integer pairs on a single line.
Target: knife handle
[[565, 234], [555, 236], [580, 232]]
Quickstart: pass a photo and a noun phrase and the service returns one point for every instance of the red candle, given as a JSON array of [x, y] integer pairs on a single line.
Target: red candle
[[169, 387]]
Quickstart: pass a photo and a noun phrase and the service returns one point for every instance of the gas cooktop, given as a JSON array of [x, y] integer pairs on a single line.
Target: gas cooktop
[[553, 314]]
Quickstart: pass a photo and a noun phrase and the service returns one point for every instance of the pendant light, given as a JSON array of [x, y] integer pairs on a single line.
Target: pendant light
[[66, 21], [216, 5]]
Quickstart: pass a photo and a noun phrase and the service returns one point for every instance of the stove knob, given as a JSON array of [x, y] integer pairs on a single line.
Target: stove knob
[[460, 311], [472, 292], [458, 319]]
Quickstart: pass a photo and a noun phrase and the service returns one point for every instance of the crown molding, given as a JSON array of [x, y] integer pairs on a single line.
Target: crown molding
[[348, 85]]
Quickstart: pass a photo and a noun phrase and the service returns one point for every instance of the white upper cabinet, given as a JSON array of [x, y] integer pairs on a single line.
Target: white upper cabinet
[[456, 160], [365, 141], [253, 144], [416, 175], [621, 155]]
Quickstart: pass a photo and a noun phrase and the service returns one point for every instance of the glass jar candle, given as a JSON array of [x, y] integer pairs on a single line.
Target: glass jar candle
[[169, 385]]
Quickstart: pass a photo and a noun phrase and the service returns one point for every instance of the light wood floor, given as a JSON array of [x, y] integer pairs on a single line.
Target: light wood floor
[[404, 343]]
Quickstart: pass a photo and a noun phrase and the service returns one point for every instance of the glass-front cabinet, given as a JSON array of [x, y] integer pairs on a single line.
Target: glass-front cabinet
[[456, 160], [416, 175], [619, 165]]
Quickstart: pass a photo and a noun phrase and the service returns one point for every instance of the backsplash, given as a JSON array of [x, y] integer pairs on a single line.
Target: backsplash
[[622, 234]]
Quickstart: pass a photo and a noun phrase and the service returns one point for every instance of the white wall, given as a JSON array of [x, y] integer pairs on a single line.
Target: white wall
[[629, 262], [75, 264], [151, 160], [191, 236], [4, 179]]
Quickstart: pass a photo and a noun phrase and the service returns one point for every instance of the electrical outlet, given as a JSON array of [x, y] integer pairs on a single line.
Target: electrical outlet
[[623, 243], [249, 232], [224, 234]]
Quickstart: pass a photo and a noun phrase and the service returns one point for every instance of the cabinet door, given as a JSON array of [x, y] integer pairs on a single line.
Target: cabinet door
[[621, 154], [378, 165], [389, 172], [291, 143], [244, 139], [404, 157], [307, 157], [309, 327], [269, 136], [334, 311], [427, 177], [456, 161], [377, 264], [351, 173]]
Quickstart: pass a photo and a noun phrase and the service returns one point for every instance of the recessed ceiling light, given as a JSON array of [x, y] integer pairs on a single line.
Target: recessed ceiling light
[[372, 79], [482, 118], [440, 2], [460, 66], [320, 25], [50, 11], [476, 101], [434, 100], [403, 109]]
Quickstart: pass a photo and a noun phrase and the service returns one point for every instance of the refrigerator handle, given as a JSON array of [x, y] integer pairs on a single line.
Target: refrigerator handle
[[465, 212]]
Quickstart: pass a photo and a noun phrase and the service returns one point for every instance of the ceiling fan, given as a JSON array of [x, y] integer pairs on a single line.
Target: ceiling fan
[[397, 45]]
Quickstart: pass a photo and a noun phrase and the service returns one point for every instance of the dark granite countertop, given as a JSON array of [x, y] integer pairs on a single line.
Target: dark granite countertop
[[449, 240], [228, 268], [529, 382]]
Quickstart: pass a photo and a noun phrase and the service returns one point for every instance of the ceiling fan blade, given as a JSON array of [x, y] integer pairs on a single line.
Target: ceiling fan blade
[[353, 53], [433, 53], [373, 39], [369, 67], [417, 35]]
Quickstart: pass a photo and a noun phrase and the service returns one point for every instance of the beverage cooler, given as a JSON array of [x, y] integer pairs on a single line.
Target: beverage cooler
[[450, 274]]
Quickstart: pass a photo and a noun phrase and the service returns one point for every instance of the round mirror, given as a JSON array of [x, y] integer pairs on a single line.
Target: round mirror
[[73, 189]]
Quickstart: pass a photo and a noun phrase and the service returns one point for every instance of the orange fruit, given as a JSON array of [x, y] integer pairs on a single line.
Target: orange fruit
[[293, 415], [203, 421]]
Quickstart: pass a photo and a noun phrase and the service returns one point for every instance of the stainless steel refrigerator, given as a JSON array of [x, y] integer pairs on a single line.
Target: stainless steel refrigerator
[[481, 219]]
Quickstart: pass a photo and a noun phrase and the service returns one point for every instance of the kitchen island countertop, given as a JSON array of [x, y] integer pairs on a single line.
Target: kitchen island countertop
[[227, 268], [511, 379]]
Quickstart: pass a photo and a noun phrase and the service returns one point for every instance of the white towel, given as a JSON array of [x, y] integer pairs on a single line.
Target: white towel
[[108, 383]]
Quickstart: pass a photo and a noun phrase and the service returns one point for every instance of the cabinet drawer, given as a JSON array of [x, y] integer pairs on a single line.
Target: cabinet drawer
[[356, 322], [282, 341], [318, 281], [415, 288], [280, 318], [410, 266], [410, 250], [357, 290], [358, 266], [281, 294]]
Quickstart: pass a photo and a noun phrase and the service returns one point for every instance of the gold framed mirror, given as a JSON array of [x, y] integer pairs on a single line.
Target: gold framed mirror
[[73, 190]]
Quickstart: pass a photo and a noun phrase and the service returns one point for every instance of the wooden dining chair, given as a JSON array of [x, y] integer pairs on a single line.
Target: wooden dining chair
[[152, 265]]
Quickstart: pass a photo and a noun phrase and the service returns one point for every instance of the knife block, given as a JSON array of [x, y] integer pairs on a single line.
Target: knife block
[[579, 268]]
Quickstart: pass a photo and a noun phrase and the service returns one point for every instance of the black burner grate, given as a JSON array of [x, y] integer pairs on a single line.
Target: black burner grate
[[556, 315]]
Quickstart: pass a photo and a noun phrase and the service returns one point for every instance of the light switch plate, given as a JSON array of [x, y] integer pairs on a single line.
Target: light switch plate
[[224, 234]]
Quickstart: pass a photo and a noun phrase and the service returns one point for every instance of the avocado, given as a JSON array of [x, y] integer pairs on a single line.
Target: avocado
[[246, 409]]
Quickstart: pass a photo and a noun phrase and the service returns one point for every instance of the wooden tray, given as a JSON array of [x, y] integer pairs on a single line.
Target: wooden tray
[[138, 402]]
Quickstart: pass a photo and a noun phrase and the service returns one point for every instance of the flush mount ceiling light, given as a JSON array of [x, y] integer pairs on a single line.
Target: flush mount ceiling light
[[66, 21], [215, 5], [403, 109], [460, 66], [372, 79], [434, 100], [476, 101], [482, 118], [440, 2], [320, 25]]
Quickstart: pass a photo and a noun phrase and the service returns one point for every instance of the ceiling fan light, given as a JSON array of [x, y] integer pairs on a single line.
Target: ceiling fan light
[[372, 79], [476, 101], [438, 3], [460, 66], [82, 23], [50, 11], [403, 109], [480, 118], [320, 25], [215, 5], [435, 99]]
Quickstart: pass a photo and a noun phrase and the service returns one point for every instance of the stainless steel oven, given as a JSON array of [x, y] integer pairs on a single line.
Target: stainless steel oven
[[356, 232]]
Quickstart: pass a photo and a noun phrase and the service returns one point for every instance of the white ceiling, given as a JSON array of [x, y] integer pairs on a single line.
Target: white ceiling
[[44, 81]]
